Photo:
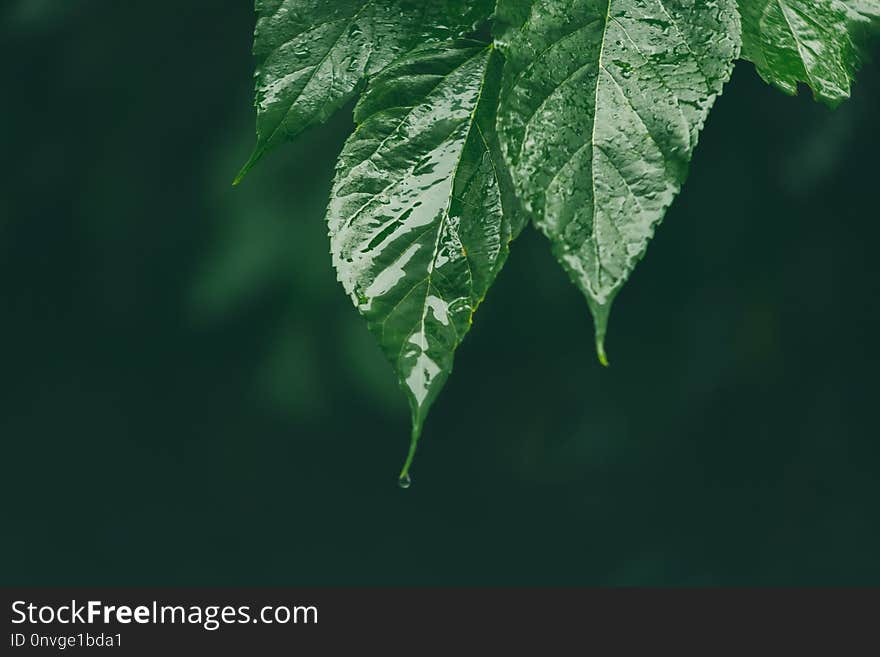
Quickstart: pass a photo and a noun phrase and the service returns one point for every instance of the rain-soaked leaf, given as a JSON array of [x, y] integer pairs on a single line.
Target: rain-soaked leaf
[[601, 108], [865, 9], [419, 216], [814, 42], [583, 113], [312, 55]]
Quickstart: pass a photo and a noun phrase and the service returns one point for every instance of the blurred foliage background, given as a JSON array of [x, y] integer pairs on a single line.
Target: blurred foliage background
[[188, 397]]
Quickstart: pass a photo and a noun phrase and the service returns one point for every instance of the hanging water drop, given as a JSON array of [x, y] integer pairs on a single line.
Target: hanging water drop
[[405, 481]]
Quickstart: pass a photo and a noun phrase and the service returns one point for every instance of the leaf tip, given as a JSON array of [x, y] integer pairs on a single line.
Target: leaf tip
[[240, 176], [254, 158], [601, 312], [404, 480], [600, 352]]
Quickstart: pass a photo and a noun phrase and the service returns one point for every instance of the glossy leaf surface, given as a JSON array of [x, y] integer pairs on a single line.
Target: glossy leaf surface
[[867, 9], [583, 115], [419, 217], [312, 55], [601, 109], [805, 41]]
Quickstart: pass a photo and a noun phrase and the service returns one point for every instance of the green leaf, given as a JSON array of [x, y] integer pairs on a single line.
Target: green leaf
[[864, 9], [419, 217], [600, 113], [805, 41], [312, 55]]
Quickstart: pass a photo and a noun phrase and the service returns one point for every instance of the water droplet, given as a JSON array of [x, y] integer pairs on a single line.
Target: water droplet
[[405, 481]]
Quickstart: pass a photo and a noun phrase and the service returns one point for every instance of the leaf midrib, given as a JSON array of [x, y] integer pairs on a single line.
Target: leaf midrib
[[601, 67], [471, 124], [395, 132], [420, 323]]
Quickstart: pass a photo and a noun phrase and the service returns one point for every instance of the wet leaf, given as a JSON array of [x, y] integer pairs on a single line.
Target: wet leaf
[[864, 9], [582, 114], [806, 41], [312, 55], [601, 108], [420, 219]]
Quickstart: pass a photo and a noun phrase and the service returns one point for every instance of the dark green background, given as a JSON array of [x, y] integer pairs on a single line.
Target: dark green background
[[188, 397]]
